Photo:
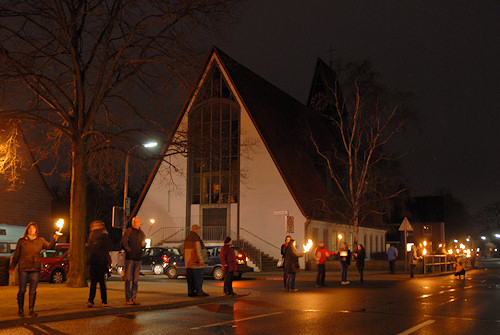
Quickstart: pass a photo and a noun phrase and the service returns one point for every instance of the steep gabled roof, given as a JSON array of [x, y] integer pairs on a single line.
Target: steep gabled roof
[[283, 124]]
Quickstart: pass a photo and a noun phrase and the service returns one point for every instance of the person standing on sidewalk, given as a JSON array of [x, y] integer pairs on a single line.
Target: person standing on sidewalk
[[27, 255], [320, 256], [392, 254], [228, 262], [194, 262], [360, 255], [291, 265], [414, 258], [98, 261], [133, 241], [345, 261], [283, 253]]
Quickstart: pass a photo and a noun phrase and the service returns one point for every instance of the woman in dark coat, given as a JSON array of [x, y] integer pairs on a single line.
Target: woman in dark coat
[[360, 255], [283, 253], [98, 261], [291, 265], [27, 256]]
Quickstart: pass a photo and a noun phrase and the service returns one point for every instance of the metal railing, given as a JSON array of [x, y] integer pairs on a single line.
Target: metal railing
[[168, 234], [260, 239], [213, 233]]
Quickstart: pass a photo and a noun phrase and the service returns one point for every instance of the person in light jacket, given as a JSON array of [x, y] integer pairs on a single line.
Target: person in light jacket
[[27, 257], [228, 262], [414, 259], [195, 262]]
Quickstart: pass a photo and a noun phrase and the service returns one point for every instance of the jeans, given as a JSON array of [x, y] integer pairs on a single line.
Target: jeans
[[412, 270], [320, 278], [133, 269], [228, 282], [344, 270], [24, 277], [360, 270], [194, 279], [290, 281], [97, 275]]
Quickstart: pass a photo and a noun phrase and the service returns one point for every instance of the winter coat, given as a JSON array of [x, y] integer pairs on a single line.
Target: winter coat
[[414, 258], [27, 253], [192, 251], [227, 258], [98, 248], [292, 260], [392, 253], [321, 254], [132, 243], [360, 258]]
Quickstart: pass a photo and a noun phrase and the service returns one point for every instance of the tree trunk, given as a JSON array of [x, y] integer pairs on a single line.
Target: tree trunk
[[77, 266], [356, 225]]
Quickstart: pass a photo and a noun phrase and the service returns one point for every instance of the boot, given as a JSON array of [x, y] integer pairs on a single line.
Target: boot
[[32, 304], [20, 304]]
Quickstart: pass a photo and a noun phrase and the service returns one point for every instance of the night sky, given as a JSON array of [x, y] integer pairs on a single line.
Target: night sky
[[446, 53]]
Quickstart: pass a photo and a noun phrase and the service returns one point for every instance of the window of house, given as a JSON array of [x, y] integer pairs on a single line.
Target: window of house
[[427, 230]]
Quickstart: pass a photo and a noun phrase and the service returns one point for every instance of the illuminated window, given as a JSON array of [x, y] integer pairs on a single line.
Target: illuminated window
[[214, 135], [427, 230]]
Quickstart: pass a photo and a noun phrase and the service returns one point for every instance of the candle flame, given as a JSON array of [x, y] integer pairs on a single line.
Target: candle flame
[[425, 252], [307, 246], [450, 251], [60, 223]]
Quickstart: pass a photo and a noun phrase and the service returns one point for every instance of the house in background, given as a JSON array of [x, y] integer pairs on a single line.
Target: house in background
[[32, 199], [249, 172], [426, 216]]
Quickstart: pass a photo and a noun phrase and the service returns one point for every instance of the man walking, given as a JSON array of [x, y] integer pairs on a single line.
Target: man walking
[[133, 241], [392, 254], [193, 258]]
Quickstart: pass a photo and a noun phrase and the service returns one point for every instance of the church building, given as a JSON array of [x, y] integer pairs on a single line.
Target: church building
[[248, 171]]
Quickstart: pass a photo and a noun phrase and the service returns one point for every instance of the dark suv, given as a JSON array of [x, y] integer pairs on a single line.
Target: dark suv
[[213, 268], [153, 258]]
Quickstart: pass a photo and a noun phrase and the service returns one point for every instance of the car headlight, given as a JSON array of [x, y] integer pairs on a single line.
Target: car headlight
[[46, 265]]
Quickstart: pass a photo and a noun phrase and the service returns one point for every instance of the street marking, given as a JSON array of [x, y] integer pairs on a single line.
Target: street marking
[[417, 327], [231, 321]]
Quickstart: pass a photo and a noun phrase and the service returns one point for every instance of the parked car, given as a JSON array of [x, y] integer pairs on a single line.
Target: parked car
[[55, 264], [213, 268], [153, 259]]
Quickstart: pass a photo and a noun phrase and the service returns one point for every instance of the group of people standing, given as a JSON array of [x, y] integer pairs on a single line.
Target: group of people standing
[[291, 256]]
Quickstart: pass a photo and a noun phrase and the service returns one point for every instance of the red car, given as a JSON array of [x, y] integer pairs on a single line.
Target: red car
[[55, 264]]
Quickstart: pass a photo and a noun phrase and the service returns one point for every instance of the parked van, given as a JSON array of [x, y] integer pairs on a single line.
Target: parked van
[[9, 235]]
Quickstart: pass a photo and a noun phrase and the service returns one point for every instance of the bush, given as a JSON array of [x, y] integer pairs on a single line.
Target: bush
[[4, 271]]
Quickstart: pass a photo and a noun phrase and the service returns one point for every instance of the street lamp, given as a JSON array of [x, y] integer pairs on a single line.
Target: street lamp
[[483, 238], [125, 184]]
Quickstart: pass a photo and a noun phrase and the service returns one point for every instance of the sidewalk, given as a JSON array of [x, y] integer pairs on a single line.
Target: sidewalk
[[56, 302]]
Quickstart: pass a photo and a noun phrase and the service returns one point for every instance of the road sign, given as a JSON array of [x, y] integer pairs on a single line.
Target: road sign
[[405, 225], [281, 213], [290, 224], [127, 206]]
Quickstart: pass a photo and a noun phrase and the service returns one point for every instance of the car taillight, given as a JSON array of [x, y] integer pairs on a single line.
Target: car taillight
[[165, 258]]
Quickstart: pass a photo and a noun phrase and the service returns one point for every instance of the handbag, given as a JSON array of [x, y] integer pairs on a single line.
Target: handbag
[[280, 262]]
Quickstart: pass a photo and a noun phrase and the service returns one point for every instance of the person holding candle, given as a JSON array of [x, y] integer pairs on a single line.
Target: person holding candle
[[345, 261], [360, 255], [291, 265], [27, 256], [133, 241], [98, 247]]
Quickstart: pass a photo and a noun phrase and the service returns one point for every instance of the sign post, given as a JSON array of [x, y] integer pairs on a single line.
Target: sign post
[[406, 226]]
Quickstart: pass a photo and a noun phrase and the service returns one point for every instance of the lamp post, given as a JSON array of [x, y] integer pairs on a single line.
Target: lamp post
[[125, 183]]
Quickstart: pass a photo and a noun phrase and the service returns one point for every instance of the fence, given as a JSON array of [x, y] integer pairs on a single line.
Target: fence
[[437, 263]]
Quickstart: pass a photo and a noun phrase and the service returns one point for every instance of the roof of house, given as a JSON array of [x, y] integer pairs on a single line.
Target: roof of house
[[283, 123]]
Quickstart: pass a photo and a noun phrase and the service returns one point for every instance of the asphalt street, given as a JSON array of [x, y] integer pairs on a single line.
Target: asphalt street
[[381, 305]]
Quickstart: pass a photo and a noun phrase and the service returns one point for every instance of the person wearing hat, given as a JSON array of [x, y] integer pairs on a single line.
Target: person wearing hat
[[98, 260], [228, 261]]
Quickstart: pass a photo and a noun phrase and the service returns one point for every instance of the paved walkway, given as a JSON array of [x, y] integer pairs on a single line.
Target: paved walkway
[[56, 302]]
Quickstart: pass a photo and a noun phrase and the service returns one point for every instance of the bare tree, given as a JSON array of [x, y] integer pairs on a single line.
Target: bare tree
[[364, 117], [89, 74]]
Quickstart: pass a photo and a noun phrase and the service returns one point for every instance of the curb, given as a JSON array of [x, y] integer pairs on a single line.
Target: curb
[[94, 312]]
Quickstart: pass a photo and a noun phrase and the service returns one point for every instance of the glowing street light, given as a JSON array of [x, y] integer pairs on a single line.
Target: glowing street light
[[456, 241], [483, 238], [497, 235]]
